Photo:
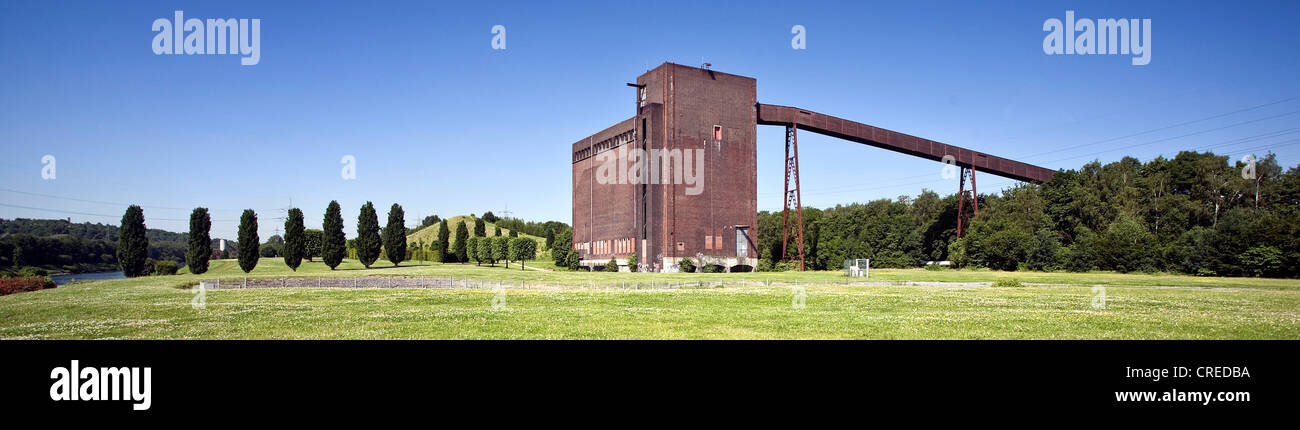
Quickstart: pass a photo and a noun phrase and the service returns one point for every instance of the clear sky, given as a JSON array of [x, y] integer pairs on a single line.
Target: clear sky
[[441, 123]]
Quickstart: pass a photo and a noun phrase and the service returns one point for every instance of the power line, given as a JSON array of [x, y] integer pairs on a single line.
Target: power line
[[1168, 126], [101, 202], [1176, 137], [1248, 140], [97, 215]]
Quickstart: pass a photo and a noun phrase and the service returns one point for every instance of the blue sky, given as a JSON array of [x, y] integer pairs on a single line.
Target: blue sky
[[441, 123]]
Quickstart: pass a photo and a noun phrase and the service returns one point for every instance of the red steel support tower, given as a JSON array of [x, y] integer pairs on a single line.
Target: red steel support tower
[[792, 197]]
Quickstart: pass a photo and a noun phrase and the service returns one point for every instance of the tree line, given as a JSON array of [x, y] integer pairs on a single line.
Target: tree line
[[1196, 213], [329, 243], [447, 251], [57, 244]]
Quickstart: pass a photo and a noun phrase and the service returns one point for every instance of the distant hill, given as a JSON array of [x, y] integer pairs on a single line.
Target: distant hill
[[430, 234], [85, 230], [59, 245]]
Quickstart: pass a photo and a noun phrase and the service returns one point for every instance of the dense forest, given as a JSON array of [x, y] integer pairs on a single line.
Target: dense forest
[[1197, 213], [534, 228], [59, 245]]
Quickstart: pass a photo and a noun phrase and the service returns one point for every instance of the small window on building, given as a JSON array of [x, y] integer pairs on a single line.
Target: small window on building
[[717, 133], [708, 242], [681, 246]]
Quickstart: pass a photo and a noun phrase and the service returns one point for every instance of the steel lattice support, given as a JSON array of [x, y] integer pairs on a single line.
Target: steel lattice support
[[961, 199], [792, 197]]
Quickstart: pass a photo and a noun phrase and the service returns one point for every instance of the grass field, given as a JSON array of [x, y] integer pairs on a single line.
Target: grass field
[[1138, 306]]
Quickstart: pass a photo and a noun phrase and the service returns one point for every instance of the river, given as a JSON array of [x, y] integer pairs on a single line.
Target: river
[[95, 276]]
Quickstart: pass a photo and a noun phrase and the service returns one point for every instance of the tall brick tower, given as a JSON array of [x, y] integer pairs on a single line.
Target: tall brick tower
[[678, 179]]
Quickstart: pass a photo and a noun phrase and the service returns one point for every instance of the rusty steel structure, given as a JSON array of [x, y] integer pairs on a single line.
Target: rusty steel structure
[[691, 119], [961, 197], [792, 196], [898, 142]]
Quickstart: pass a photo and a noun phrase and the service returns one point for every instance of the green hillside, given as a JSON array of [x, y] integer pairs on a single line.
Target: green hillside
[[430, 234]]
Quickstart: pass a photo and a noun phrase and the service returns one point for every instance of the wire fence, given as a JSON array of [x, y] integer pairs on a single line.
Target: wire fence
[[420, 282]]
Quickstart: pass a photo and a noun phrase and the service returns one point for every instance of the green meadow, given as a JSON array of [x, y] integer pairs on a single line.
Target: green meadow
[[540, 304]]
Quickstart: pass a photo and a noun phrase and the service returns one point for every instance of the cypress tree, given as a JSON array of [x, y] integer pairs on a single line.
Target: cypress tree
[[368, 235], [444, 243], [480, 229], [333, 244], [294, 242], [132, 245], [395, 235], [560, 249], [200, 243], [248, 241], [550, 238], [462, 236]]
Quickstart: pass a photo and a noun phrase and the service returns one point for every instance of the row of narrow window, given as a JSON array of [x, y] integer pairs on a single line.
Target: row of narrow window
[[605, 145]]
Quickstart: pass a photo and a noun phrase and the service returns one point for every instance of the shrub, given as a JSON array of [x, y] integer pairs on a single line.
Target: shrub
[[1127, 246], [632, 262], [686, 265], [1044, 251], [611, 265], [1261, 261], [26, 283], [1007, 283], [29, 271], [957, 253], [572, 260], [712, 268], [165, 267]]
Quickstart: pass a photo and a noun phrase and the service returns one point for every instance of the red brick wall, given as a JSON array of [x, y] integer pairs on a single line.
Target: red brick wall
[[682, 106]]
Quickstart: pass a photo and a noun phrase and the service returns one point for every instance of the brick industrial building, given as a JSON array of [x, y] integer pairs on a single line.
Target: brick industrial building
[[683, 115], [679, 178]]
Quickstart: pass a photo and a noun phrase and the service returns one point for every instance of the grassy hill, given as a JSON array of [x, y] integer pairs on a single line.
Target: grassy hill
[[430, 234]]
